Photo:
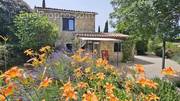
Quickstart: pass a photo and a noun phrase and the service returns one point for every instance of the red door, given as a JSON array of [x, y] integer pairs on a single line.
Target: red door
[[105, 54]]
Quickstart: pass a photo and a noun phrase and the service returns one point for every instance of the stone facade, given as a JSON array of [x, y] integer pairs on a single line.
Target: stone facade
[[84, 21]]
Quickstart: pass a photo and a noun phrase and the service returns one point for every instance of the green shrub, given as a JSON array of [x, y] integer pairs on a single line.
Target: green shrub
[[34, 31], [141, 47], [166, 91], [128, 50]]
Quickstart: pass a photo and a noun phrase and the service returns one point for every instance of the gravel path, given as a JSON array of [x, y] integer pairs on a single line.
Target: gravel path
[[153, 64]]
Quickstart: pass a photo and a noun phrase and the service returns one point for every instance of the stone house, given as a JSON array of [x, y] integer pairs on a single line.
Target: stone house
[[80, 26]]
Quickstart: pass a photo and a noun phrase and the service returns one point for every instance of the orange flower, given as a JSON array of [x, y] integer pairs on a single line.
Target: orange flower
[[112, 98], [146, 82], [168, 71], [89, 97], [100, 76], [78, 72], [101, 62], [109, 87], [45, 83], [71, 94], [139, 68], [6, 92], [82, 85], [12, 73], [152, 97], [67, 86]]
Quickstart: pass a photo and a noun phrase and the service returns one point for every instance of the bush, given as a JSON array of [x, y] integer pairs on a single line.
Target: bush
[[34, 31], [128, 50], [141, 47]]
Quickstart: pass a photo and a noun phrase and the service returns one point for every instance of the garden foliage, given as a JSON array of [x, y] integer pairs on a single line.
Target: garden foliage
[[34, 31], [82, 79]]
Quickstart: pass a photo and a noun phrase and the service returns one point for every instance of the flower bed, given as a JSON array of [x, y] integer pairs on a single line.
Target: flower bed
[[82, 79]]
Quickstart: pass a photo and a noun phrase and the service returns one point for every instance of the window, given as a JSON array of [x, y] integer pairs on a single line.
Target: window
[[117, 47], [69, 47], [68, 24]]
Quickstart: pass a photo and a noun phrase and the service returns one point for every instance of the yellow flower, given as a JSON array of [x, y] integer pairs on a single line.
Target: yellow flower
[[128, 86], [45, 83], [82, 85], [29, 52], [100, 76], [152, 97], [89, 97], [88, 70], [139, 68], [78, 72], [168, 71], [101, 62], [45, 49]]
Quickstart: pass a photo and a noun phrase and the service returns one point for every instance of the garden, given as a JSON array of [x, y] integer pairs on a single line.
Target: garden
[[33, 68]]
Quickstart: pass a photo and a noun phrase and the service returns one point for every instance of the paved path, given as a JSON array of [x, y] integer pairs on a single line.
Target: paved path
[[152, 65]]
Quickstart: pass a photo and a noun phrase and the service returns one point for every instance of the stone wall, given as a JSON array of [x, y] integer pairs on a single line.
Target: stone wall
[[109, 45], [84, 22]]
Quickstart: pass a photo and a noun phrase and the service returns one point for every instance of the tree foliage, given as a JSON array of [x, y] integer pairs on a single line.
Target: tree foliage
[[8, 9], [34, 31], [147, 18]]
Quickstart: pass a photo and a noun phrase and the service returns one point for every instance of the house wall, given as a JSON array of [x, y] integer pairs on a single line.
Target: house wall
[[108, 45], [84, 22]]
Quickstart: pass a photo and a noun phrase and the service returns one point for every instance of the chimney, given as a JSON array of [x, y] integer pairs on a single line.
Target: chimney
[[43, 4]]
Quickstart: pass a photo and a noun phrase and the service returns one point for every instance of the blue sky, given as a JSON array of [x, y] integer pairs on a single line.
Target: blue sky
[[102, 7]]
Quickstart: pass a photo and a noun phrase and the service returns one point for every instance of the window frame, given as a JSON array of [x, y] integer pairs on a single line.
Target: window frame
[[119, 48], [67, 26]]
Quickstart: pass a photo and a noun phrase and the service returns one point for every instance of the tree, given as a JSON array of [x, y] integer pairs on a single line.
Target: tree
[[34, 31], [99, 29], [144, 19], [106, 27], [8, 9]]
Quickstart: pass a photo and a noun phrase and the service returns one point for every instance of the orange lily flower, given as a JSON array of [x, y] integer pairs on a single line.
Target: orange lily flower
[[109, 87], [45, 83], [112, 98], [168, 71], [70, 94], [12, 73], [139, 68], [6, 92], [82, 85], [100, 76], [146, 82], [101, 62], [89, 97], [152, 97]]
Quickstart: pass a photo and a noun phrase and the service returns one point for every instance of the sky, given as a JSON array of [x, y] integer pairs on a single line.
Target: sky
[[102, 7]]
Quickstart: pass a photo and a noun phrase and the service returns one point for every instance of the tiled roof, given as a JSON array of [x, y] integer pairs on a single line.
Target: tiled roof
[[102, 35], [64, 10]]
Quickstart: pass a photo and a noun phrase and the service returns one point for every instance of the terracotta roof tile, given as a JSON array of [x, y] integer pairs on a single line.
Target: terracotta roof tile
[[65, 10], [102, 35]]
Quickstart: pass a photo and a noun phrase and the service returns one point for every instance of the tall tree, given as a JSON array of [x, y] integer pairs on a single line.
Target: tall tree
[[8, 10], [106, 29], [99, 29], [144, 19]]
